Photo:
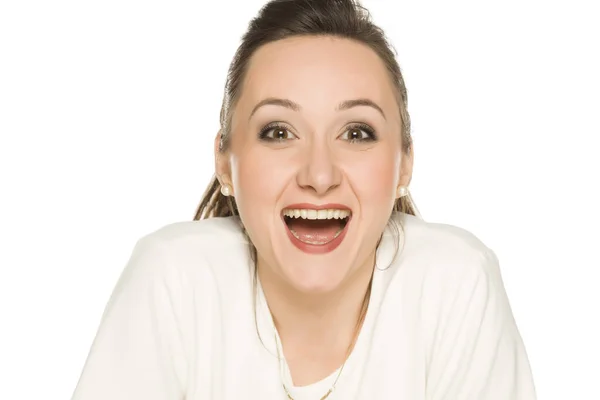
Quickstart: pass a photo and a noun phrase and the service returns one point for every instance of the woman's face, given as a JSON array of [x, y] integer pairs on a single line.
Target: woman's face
[[315, 159]]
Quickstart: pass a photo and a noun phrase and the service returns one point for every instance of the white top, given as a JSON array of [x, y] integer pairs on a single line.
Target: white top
[[181, 324]]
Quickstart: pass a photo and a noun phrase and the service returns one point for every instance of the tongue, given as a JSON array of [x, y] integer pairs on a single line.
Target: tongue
[[315, 230]]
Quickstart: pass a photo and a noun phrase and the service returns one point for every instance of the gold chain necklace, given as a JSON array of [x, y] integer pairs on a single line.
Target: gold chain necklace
[[331, 389], [350, 347]]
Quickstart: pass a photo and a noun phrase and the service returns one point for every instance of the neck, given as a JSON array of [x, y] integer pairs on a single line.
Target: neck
[[323, 320]]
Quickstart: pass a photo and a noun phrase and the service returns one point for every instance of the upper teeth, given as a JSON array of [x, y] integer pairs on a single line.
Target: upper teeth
[[316, 214]]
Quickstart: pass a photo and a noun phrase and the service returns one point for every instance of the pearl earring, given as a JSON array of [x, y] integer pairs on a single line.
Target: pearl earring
[[401, 191], [226, 190]]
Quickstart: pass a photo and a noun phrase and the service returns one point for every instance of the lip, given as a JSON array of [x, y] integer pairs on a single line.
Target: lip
[[317, 248], [309, 206]]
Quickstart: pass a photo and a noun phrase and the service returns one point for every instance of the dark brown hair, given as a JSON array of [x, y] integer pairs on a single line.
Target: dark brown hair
[[281, 19]]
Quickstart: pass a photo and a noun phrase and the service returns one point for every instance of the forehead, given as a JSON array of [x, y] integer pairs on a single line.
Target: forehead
[[318, 72]]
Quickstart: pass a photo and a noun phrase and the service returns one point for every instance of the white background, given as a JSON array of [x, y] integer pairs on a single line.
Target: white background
[[108, 110]]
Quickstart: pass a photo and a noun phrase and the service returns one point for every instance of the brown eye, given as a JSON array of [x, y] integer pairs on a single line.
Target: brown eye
[[280, 134], [359, 133], [355, 134], [276, 134]]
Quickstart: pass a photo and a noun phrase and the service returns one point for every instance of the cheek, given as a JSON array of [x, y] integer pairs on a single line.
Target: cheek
[[258, 180], [373, 178]]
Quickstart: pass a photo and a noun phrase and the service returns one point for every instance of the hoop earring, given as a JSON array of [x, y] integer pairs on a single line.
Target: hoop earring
[[226, 190], [401, 191]]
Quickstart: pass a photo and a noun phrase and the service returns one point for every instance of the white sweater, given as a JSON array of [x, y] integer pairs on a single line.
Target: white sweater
[[181, 324]]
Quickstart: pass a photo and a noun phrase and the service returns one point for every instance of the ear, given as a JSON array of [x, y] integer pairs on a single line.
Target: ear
[[406, 168], [222, 165]]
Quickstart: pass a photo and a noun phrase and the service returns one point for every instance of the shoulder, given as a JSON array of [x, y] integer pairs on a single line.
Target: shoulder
[[207, 234], [196, 247], [435, 235], [441, 271], [220, 230], [437, 250]]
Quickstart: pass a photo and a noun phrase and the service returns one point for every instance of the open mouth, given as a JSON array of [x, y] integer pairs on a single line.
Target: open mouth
[[316, 227]]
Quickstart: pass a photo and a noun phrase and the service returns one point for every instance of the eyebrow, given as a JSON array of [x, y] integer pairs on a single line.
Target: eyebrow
[[273, 101], [345, 105]]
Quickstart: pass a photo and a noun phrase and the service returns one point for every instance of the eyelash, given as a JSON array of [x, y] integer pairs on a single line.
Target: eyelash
[[370, 132], [272, 127], [371, 136]]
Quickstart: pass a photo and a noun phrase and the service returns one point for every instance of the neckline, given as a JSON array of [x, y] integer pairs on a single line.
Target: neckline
[[266, 327], [323, 385], [270, 336]]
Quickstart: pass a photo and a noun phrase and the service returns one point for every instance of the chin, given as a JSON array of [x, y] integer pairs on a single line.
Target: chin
[[316, 276], [316, 256]]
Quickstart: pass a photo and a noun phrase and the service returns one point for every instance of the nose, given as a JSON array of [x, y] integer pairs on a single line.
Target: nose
[[319, 172]]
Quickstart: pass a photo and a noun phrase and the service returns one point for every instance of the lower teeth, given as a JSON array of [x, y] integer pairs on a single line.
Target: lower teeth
[[316, 242]]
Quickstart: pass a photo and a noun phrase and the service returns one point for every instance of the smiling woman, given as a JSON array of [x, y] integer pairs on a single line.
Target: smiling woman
[[308, 272]]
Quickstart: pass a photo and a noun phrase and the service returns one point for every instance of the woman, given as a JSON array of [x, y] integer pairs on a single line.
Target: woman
[[307, 273]]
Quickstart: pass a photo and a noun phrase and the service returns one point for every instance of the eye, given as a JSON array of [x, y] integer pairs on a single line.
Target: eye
[[276, 133], [359, 133]]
